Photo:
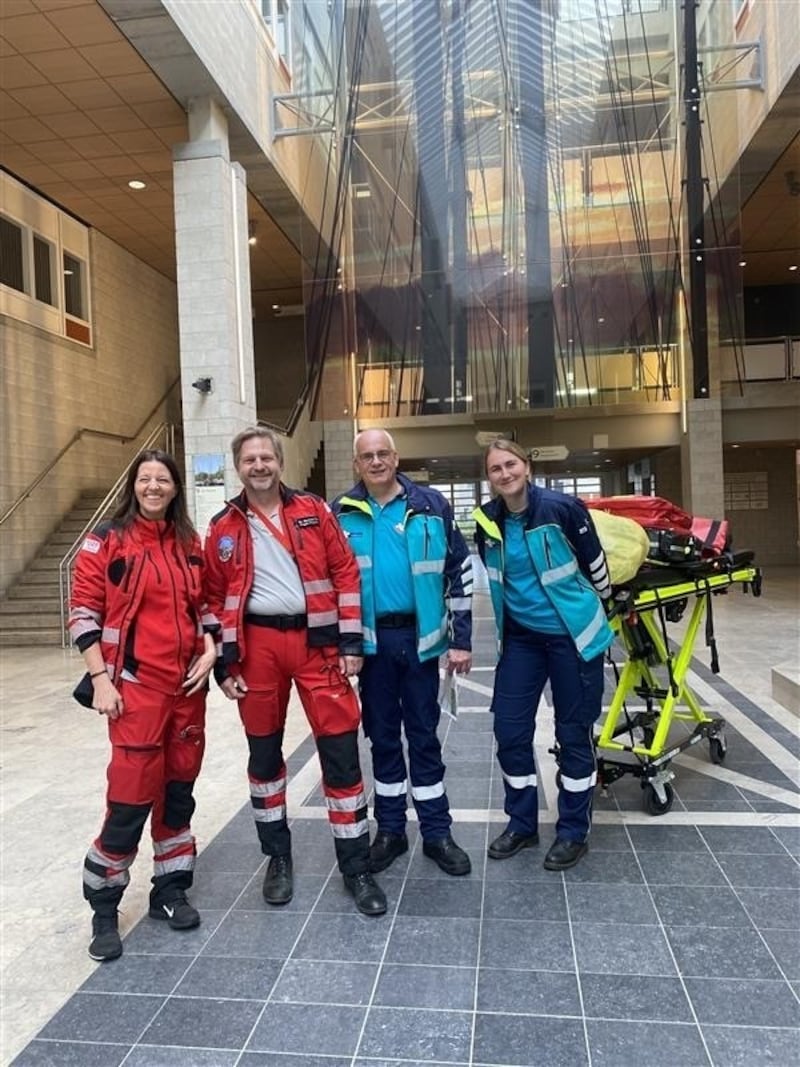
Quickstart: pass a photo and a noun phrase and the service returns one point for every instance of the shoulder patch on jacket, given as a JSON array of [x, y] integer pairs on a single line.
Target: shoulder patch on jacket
[[308, 520], [91, 544], [225, 547]]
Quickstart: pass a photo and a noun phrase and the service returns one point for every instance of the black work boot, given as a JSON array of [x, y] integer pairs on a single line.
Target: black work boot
[[385, 849], [106, 943], [368, 895], [450, 857], [278, 886]]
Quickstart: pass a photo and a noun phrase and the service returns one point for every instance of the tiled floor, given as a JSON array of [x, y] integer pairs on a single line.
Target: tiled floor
[[675, 941]]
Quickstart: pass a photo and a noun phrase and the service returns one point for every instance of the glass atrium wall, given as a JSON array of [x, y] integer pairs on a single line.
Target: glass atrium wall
[[509, 235]]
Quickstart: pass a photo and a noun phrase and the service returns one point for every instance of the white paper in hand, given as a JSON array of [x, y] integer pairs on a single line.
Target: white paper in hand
[[448, 698]]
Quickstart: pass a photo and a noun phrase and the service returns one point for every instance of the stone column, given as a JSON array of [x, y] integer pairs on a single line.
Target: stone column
[[338, 436], [215, 322], [701, 459]]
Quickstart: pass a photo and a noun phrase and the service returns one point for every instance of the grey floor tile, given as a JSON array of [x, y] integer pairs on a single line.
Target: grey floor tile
[[678, 1044], [526, 944], [691, 906], [612, 868], [104, 1017], [607, 903], [417, 1034], [270, 932], [528, 992], [703, 952], [774, 872], [456, 897], [138, 974], [606, 838], [624, 996], [236, 977], [407, 986], [267, 1059], [785, 947], [235, 856], [218, 890], [295, 1028], [676, 868], [521, 900], [150, 937], [661, 838], [526, 866], [165, 1056], [611, 948], [772, 907], [447, 942], [357, 938], [203, 1022], [307, 889], [70, 1054], [520, 1040], [747, 1046], [742, 1002], [789, 837], [309, 982], [746, 840]]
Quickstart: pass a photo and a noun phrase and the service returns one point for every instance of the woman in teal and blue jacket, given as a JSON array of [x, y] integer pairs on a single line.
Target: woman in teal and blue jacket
[[548, 579]]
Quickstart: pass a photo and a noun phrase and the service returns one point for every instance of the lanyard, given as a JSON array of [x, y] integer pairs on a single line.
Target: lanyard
[[276, 531]]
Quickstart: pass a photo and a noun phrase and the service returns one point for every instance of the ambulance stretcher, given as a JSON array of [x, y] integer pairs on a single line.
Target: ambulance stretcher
[[656, 674]]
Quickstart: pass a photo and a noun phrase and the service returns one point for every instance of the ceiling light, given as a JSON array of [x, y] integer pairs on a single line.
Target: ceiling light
[[793, 267], [136, 184], [276, 307], [251, 232], [742, 262]]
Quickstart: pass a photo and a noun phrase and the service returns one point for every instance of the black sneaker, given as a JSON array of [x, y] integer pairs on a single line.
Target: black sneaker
[[106, 943], [178, 912]]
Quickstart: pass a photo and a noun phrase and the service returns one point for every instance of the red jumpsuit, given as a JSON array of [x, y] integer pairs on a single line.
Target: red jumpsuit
[[139, 592]]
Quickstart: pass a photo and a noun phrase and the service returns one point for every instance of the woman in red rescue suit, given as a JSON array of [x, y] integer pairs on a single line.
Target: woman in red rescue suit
[[136, 614]]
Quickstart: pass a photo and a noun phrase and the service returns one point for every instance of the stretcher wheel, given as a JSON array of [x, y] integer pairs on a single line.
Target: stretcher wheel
[[652, 804], [717, 749]]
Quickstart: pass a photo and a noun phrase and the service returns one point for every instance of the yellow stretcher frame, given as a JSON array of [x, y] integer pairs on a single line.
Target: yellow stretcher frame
[[668, 702]]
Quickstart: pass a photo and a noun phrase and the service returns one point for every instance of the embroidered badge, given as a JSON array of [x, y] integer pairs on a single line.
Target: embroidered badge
[[90, 545], [310, 520], [225, 548]]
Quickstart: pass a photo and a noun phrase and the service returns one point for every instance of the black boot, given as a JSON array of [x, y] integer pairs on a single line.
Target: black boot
[[106, 943], [368, 895], [278, 885]]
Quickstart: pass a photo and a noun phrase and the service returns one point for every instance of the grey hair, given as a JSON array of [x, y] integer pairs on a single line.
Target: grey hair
[[372, 429]]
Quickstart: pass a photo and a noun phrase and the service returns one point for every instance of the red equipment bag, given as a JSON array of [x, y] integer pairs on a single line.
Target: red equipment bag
[[714, 535], [652, 512]]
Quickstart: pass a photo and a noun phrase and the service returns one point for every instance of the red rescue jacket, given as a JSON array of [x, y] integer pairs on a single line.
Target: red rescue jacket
[[327, 567]]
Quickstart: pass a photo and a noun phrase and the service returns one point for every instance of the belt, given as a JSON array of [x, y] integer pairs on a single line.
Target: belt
[[397, 621], [278, 622]]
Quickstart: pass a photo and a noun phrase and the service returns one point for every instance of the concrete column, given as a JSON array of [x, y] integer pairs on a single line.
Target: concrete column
[[701, 459], [338, 437], [215, 322]]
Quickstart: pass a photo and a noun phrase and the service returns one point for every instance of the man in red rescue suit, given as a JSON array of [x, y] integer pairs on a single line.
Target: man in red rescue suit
[[285, 585]]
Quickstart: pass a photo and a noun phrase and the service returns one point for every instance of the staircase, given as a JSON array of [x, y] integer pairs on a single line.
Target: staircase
[[30, 612]]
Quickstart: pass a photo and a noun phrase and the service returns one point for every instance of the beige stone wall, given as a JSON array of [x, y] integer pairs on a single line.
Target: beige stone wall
[[52, 387]]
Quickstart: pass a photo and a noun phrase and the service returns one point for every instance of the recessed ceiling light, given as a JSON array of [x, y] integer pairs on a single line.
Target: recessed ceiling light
[[793, 267], [136, 184], [742, 262]]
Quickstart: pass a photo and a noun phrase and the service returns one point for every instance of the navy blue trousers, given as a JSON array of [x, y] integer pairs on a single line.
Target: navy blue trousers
[[398, 693], [529, 660]]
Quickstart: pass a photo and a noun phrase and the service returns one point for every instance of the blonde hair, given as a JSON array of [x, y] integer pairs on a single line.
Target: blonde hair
[[503, 444]]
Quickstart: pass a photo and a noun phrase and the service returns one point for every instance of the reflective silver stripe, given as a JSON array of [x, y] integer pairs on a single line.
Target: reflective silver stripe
[[346, 803], [228, 634], [232, 603], [79, 627], [268, 789], [101, 859], [459, 603], [555, 574], [183, 862], [391, 789], [209, 619], [495, 574], [427, 641], [369, 635], [427, 792], [520, 781], [84, 613], [97, 881], [111, 635], [349, 626], [160, 848], [350, 829], [323, 618], [349, 600], [597, 563], [320, 585], [586, 635], [363, 562], [579, 785], [269, 814], [427, 566]]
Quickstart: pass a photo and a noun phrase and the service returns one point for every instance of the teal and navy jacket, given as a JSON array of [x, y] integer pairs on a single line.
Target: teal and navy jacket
[[441, 568], [567, 557]]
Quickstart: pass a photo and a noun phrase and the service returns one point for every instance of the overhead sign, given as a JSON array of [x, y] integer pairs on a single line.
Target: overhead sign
[[548, 453], [486, 437]]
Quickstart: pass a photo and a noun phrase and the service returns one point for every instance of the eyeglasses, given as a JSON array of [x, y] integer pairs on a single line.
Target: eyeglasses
[[368, 457]]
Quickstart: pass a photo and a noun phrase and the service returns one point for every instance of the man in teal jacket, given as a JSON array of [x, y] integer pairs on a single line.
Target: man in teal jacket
[[416, 604]]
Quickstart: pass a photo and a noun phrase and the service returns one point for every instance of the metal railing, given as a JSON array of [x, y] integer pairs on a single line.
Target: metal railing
[[163, 430]]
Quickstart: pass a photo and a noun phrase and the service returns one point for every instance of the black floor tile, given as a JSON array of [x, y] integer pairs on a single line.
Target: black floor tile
[[236, 977], [678, 1044], [742, 1002], [104, 1017], [520, 1040], [310, 982], [747, 1046], [624, 996], [417, 1034], [296, 1028], [406, 986], [528, 992]]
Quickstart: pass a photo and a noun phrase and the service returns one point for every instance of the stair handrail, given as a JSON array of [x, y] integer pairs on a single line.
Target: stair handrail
[[85, 431], [66, 561]]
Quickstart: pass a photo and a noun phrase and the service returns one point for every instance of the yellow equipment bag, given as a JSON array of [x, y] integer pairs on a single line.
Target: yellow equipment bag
[[624, 542]]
